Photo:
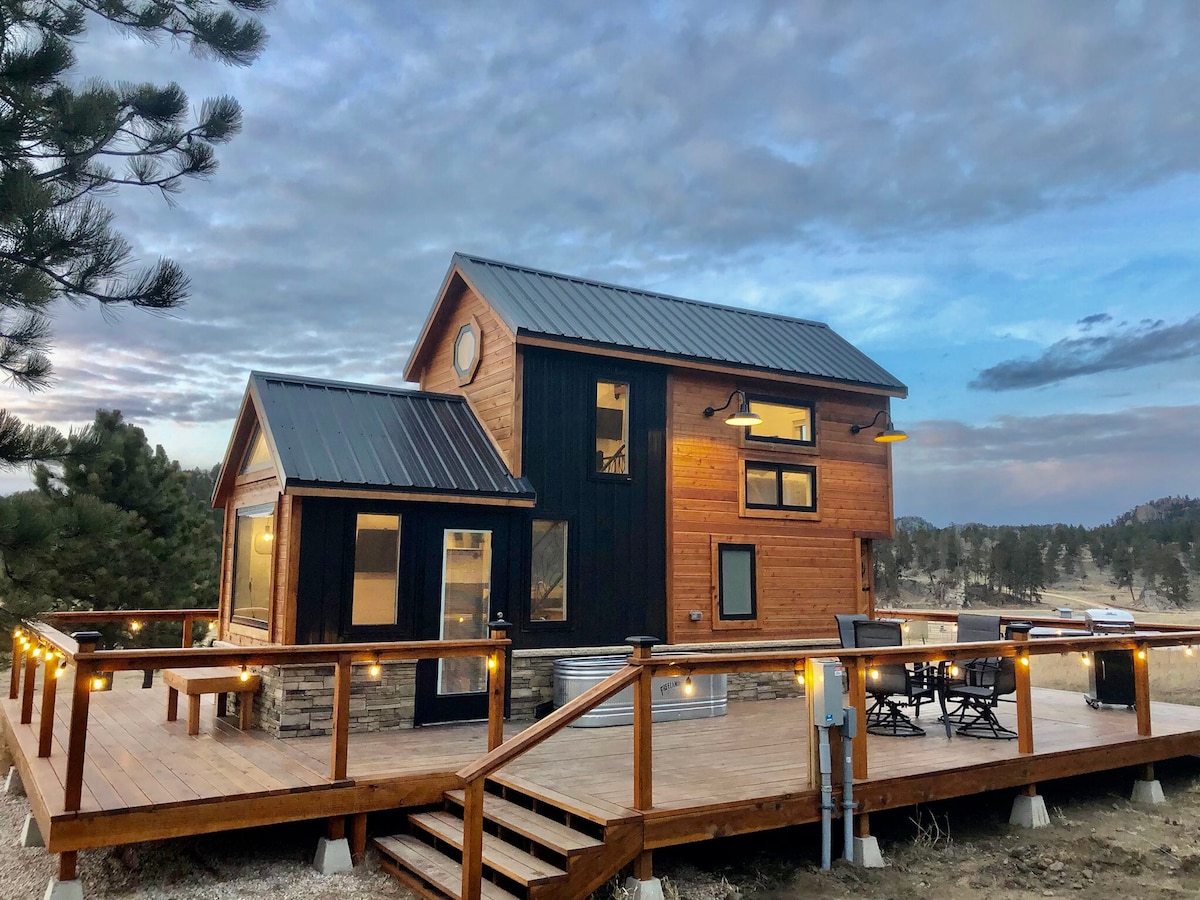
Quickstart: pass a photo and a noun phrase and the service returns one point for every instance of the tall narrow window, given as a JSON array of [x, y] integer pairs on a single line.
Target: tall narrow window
[[376, 570], [548, 578], [254, 539], [736, 580], [257, 456], [466, 603], [612, 428]]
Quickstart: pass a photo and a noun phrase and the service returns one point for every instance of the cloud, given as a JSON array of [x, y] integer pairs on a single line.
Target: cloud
[[1127, 347], [1088, 322], [1086, 468]]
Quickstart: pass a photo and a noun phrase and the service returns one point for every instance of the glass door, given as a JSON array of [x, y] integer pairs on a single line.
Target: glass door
[[466, 606]]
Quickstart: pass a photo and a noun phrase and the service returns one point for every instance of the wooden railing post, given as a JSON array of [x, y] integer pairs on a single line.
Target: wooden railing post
[[49, 691], [1020, 634], [340, 757], [643, 722], [1141, 687], [81, 695], [27, 689], [18, 657], [188, 623], [856, 678], [472, 852], [497, 677]]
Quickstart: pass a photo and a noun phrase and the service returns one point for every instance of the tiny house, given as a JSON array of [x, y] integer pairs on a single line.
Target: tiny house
[[588, 461]]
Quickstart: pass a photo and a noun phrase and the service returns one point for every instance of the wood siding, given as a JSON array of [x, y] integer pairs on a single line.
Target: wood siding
[[261, 487], [807, 568], [492, 394]]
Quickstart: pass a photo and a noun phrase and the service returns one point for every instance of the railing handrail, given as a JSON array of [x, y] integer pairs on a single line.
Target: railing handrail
[[304, 654], [951, 616], [545, 728], [128, 615], [774, 660]]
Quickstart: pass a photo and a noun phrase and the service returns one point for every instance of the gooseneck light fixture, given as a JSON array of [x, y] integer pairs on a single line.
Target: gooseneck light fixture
[[743, 418], [890, 432]]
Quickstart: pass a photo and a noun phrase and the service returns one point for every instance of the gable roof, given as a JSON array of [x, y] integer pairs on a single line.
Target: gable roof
[[355, 437], [582, 311]]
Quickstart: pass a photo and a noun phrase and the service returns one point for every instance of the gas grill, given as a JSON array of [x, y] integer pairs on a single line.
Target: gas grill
[[1112, 670]]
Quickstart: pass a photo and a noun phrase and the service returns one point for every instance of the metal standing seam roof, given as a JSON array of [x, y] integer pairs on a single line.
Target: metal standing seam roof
[[358, 436], [534, 302]]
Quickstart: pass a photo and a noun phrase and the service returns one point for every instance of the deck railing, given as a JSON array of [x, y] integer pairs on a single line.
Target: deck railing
[[642, 667], [38, 642]]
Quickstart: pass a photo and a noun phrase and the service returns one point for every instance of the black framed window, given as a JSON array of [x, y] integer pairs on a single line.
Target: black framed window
[[735, 577], [783, 422], [548, 572], [772, 486], [373, 597], [611, 430]]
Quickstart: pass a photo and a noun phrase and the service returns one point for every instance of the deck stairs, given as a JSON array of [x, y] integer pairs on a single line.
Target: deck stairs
[[537, 844]]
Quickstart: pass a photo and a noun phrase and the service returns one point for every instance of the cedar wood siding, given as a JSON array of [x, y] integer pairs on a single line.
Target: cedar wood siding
[[263, 488], [806, 570], [492, 394]]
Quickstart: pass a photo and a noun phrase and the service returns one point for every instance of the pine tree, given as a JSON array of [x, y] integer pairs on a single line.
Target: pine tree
[[64, 141]]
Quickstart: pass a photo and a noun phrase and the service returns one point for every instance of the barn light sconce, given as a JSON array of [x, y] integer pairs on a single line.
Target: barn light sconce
[[740, 419], [890, 432]]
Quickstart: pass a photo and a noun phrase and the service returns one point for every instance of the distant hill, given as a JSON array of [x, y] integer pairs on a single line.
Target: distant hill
[[1165, 509]]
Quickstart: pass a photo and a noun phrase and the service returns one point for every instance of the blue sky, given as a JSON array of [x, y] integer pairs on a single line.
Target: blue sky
[[999, 202]]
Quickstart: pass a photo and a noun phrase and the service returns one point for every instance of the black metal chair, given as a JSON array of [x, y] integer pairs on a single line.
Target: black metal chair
[[887, 682], [845, 627], [984, 682], [970, 628]]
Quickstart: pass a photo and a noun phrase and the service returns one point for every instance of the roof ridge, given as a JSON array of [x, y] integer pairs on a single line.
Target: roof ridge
[[595, 282], [355, 385]]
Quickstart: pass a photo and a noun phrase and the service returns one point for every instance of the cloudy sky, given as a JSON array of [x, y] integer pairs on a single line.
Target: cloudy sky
[[998, 201]]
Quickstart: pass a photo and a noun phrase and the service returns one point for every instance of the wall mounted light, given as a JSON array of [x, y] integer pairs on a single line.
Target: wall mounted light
[[740, 419], [890, 432]]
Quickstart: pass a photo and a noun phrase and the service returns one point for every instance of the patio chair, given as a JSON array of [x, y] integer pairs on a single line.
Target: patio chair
[[984, 683], [971, 627], [845, 627], [886, 683]]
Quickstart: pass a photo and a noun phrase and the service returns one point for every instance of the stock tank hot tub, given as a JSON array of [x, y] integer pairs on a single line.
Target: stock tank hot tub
[[575, 675]]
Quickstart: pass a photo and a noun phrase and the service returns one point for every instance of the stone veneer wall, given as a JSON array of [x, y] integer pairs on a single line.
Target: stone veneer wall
[[297, 701]]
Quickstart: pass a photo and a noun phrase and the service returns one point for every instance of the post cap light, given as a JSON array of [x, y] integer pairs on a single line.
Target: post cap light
[[742, 418]]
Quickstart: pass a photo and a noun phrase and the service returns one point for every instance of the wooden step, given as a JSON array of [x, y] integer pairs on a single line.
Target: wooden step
[[422, 867], [562, 839], [593, 808], [498, 855]]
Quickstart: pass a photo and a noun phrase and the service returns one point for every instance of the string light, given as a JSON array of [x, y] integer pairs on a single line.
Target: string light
[[491, 662], [212, 626], [1142, 654], [374, 669], [37, 651], [874, 674], [1024, 659], [245, 676], [800, 674], [688, 687], [135, 626], [98, 683], [17, 632], [62, 667], [1085, 658], [1189, 650]]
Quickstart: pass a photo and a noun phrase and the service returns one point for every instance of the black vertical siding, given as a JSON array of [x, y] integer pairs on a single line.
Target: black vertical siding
[[617, 535]]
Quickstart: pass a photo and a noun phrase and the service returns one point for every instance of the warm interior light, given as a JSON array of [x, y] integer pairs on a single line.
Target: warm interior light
[[688, 687], [245, 675]]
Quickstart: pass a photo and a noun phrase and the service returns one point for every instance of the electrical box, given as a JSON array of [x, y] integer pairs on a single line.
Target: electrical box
[[825, 692]]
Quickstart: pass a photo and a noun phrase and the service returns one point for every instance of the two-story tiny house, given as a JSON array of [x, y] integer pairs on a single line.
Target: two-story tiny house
[[566, 463]]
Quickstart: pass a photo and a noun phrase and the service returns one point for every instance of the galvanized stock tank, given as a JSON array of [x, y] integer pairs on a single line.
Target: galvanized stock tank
[[575, 675]]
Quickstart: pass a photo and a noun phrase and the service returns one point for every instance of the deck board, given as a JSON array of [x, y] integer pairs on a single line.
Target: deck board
[[711, 776]]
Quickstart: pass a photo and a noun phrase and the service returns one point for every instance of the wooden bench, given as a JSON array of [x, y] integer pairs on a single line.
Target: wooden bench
[[213, 680]]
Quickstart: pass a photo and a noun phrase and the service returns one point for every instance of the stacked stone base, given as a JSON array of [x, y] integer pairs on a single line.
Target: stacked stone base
[[297, 701]]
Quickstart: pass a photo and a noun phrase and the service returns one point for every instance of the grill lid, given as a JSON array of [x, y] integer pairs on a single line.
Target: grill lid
[[1109, 620]]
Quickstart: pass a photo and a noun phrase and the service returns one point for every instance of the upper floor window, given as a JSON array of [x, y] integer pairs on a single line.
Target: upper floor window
[[783, 423], [612, 428], [772, 486], [258, 456]]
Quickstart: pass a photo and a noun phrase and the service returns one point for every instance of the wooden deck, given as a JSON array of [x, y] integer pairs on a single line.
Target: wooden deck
[[146, 778]]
